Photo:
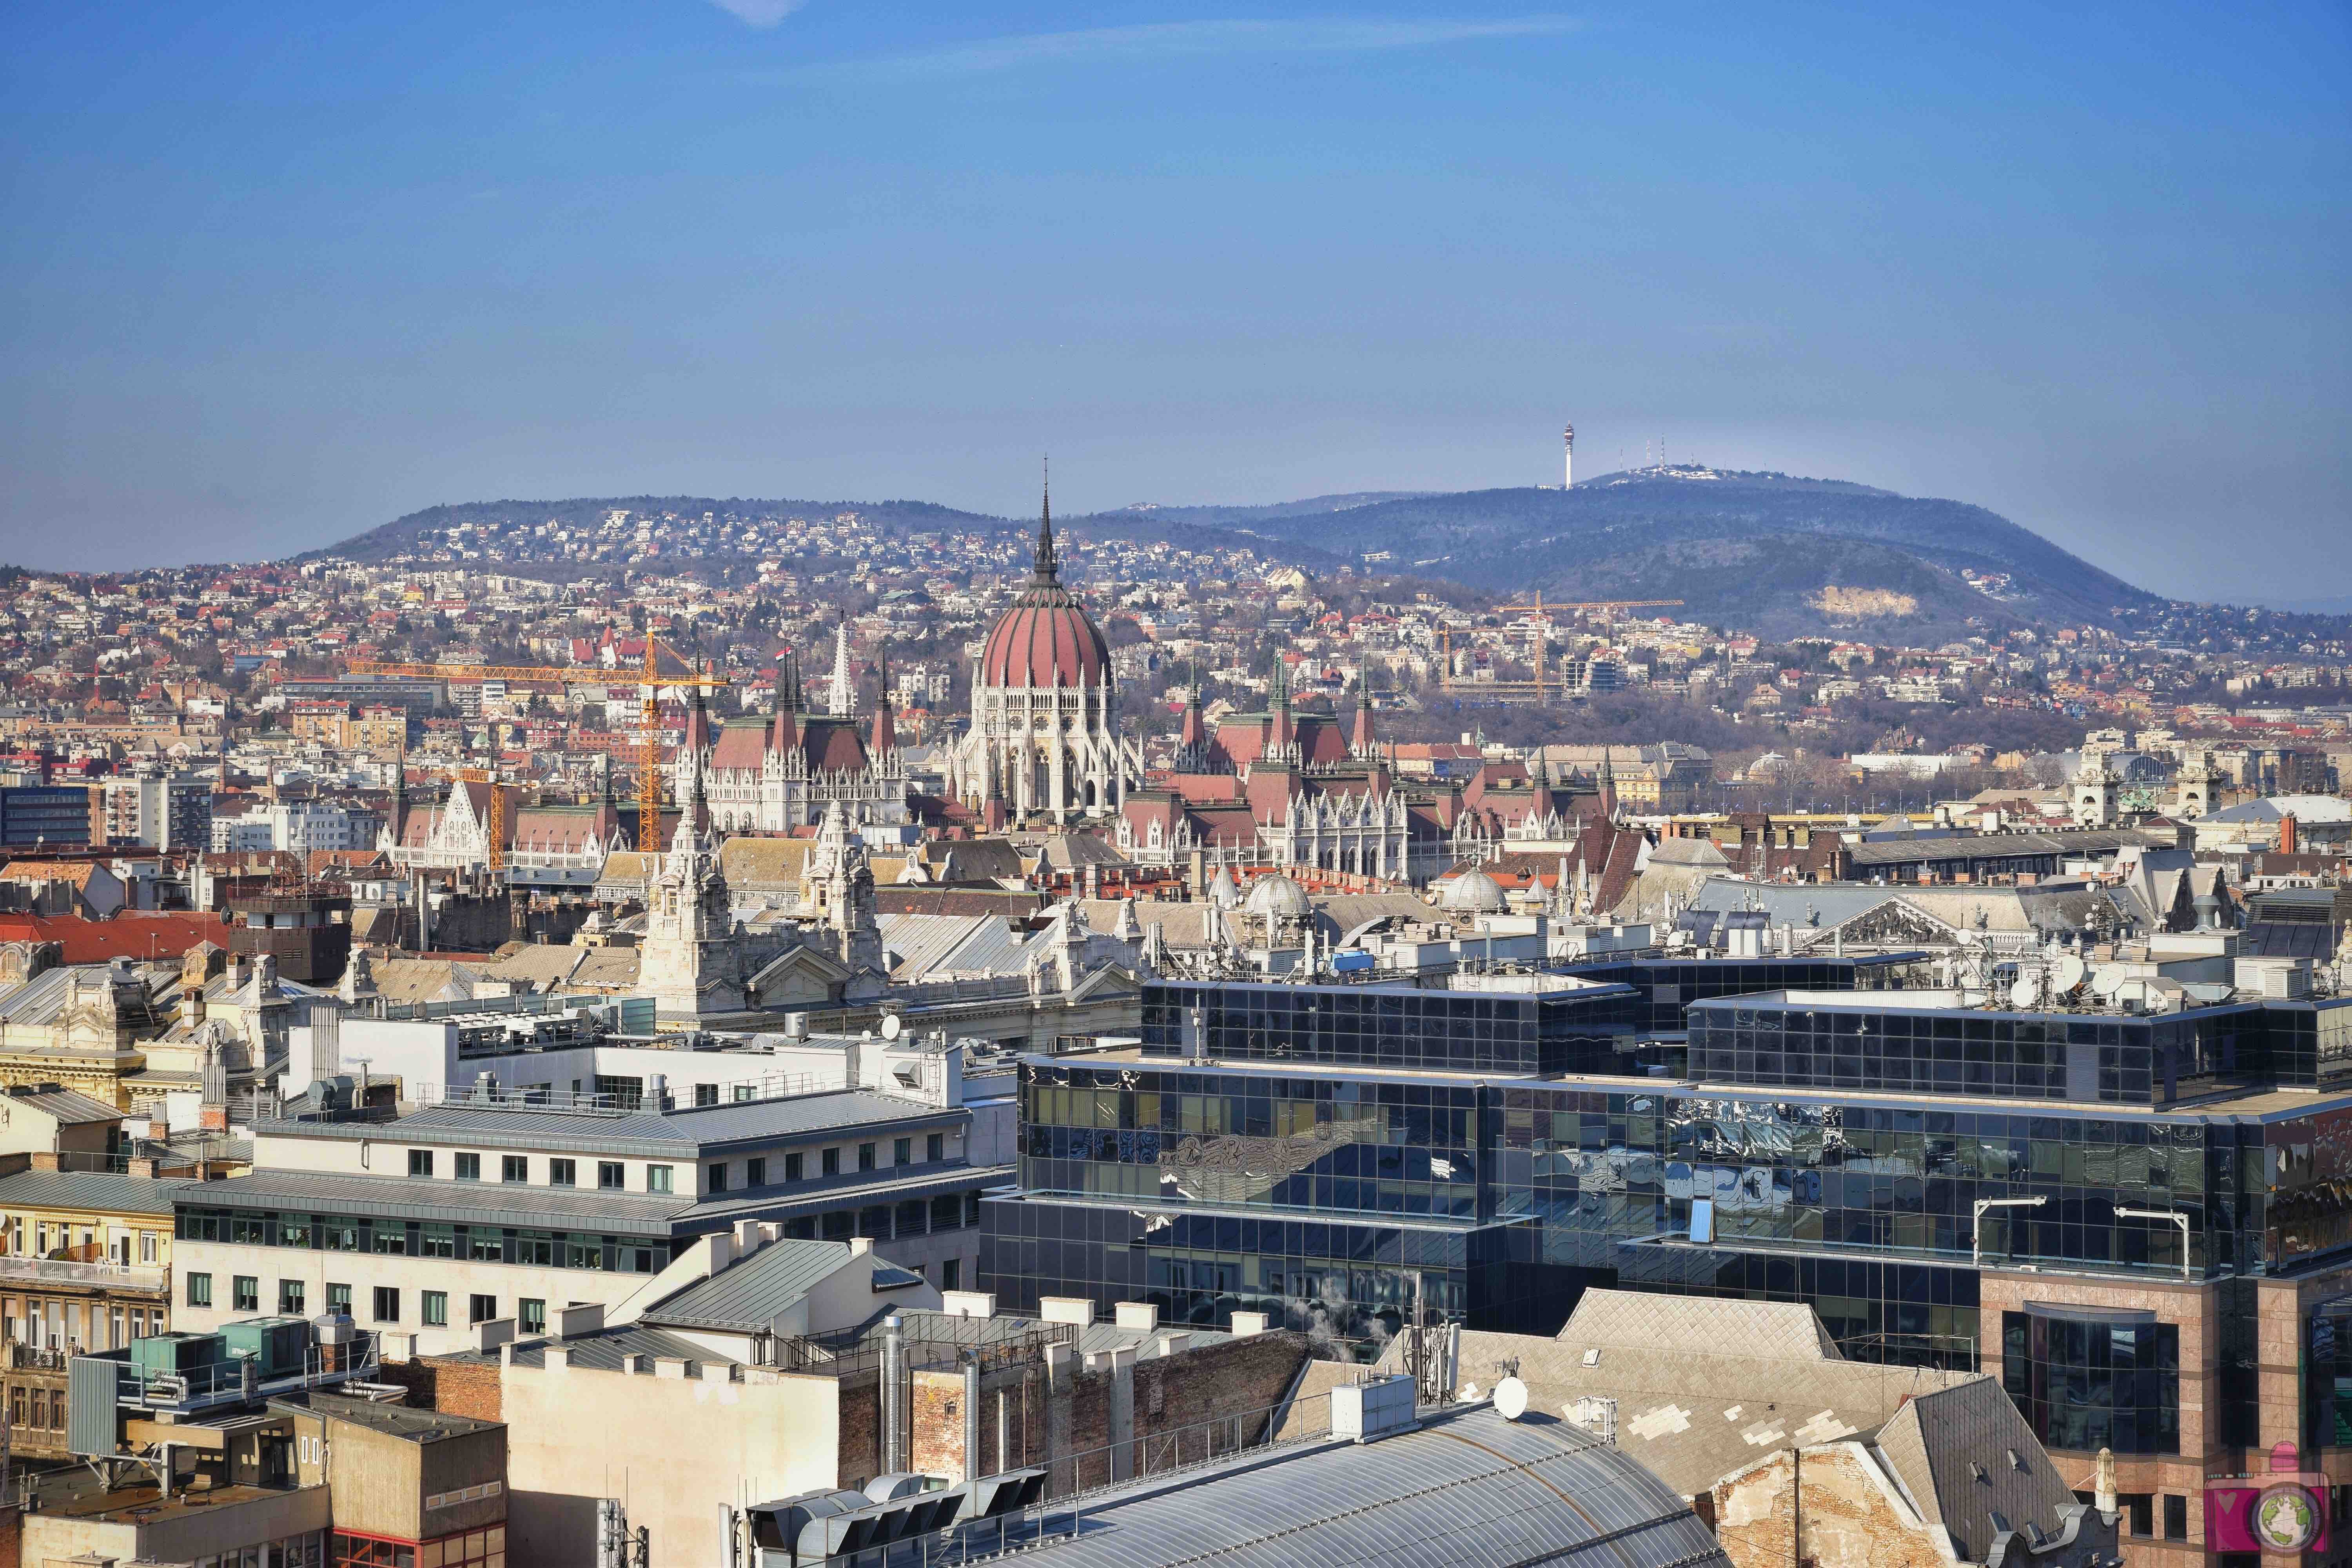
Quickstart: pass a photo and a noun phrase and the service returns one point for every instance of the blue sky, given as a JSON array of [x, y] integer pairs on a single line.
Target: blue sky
[[274, 274]]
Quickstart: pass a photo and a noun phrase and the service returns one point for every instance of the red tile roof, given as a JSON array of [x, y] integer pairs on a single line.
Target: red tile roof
[[131, 935]]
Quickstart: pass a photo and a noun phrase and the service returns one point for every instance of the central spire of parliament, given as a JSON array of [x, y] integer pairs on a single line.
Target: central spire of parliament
[[1047, 569]]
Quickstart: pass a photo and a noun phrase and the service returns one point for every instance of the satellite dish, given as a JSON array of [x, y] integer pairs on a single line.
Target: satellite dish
[[891, 1026], [2109, 979], [1511, 1398], [2025, 993], [2069, 972]]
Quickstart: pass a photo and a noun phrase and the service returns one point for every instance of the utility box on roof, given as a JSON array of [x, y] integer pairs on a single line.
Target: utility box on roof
[[1373, 1408], [175, 1354], [281, 1345]]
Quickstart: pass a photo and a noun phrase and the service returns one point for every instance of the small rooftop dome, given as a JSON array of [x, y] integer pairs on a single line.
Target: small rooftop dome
[[1475, 892], [1278, 896]]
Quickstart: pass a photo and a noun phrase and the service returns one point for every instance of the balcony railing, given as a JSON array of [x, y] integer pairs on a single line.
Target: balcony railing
[[63, 1271]]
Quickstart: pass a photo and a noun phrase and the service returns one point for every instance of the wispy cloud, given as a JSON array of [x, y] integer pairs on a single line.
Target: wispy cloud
[[760, 13], [1161, 39]]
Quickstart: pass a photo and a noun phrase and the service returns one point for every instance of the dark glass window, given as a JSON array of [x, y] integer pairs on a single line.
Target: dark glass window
[[2086, 1380]]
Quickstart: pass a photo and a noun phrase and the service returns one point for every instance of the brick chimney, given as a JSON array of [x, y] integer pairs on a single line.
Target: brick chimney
[[2289, 835]]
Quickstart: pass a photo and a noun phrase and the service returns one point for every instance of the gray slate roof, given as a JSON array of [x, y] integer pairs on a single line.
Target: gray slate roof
[[1466, 1487], [98, 1191], [1953, 1447]]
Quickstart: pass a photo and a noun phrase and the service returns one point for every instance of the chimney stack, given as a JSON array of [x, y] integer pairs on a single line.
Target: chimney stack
[[2290, 836]]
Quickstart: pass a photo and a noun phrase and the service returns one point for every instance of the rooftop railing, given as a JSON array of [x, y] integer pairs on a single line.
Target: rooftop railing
[[100, 1271]]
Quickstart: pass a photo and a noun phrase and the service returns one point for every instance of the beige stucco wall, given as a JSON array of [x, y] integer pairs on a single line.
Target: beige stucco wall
[[389, 1157], [364, 1271], [183, 1538], [672, 1448]]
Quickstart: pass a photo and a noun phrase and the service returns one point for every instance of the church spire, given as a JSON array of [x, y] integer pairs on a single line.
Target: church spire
[[1280, 729], [885, 729], [841, 699], [786, 734], [1048, 569]]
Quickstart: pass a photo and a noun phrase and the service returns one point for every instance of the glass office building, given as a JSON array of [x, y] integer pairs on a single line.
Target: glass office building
[[2110, 1213]]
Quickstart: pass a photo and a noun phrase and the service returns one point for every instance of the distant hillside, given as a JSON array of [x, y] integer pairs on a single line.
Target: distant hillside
[[402, 532], [1250, 518], [1779, 554], [1765, 552]]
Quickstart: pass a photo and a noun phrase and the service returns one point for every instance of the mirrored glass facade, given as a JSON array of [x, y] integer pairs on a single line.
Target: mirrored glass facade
[[2087, 1379], [1586, 1029], [1333, 1155]]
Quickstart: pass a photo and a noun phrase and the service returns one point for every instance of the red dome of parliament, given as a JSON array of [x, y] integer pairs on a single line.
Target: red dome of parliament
[[1046, 639]]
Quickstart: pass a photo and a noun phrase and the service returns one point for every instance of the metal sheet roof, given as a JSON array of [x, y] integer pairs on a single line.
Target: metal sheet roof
[[1466, 1487], [99, 1191], [68, 1105], [453, 1202], [749, 1296]]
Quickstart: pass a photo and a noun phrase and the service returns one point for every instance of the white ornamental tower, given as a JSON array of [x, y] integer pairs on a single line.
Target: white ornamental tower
[[841, 699]]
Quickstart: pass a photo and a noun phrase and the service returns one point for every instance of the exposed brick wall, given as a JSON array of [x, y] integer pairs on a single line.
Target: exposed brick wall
[[1237, 1378], [12, 1535], [1176, 1393], [861, 1428], [416, 1376], [935, 1444], [464, 1387]]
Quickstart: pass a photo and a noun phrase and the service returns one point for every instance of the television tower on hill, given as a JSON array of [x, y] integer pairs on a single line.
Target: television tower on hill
[[1567, 463]]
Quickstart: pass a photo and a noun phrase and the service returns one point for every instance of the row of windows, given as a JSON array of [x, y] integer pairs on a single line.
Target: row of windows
[[432, 1305], [490, 1244], [427, 1238], [868, 1155], [611, 1175]]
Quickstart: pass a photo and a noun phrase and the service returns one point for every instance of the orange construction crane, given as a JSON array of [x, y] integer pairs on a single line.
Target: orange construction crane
[[650, 681], [1447, 681]]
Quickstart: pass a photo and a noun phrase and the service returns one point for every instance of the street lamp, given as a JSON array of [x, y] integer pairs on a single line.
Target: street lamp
[[1975, 1229]]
